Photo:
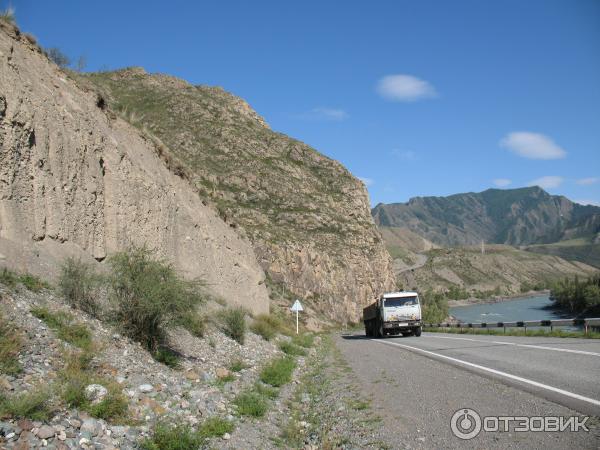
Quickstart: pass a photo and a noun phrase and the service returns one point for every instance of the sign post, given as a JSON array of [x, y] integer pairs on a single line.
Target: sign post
[[297, 307]]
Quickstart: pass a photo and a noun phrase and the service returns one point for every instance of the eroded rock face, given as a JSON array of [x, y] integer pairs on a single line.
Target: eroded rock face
[[307, 217], [75, 180]]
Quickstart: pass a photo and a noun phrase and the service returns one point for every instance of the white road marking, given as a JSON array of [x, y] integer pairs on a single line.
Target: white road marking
[[555, 349], [497, 372]]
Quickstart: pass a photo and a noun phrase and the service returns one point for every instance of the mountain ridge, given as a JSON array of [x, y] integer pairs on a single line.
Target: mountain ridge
[[523, 216]]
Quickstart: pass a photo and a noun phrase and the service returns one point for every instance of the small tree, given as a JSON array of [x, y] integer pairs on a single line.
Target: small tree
[[81, 63], [80, 285], [148, 295], [58, 57]]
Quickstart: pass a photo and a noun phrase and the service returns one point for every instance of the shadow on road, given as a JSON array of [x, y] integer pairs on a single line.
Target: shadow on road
[[357, 337]]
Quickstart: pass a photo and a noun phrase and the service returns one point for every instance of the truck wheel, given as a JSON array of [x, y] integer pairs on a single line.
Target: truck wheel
[[418, 331], [379, 331]]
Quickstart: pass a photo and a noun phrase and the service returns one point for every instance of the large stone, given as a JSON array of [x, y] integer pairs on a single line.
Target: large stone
[[145, 388], [95, 393], [45, 432], [222, 372], [91, 426]]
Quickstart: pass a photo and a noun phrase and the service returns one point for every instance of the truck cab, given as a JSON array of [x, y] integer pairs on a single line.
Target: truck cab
[[394, 313]]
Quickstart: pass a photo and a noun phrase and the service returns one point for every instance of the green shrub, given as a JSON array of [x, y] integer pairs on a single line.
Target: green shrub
[[76, 376], [80, 285], [114, 407], [251, 404], [263, 329], [8, 278], [34, 405], [168, 437], [11, 344], [33, 283], [303, 340], [268, 325], [167, 356], [234, 324], [291, 349], [194, 323], [266, 391], [237, 365], [8, 15], [148, 296], [215, 427], [62, 323], [278, 372]]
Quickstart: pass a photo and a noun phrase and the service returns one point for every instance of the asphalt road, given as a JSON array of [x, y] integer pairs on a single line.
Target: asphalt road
[[416, 384]]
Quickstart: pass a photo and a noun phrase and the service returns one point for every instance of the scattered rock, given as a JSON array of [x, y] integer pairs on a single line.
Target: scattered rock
[[222, 372], [95, 393], [45, 432], [145, 388]]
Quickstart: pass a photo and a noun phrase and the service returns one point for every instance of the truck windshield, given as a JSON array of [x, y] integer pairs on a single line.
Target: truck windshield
[[401, 301]]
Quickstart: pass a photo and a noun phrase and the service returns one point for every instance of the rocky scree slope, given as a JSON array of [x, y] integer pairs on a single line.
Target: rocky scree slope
[[306, 215], [202, 388], [78, 181], [513, 216]]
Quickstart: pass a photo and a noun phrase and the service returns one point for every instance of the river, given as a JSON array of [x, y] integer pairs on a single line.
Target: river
[[530, 308]]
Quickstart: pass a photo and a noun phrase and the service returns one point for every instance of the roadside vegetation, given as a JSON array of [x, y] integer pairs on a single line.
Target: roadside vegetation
[[518, 332], [31, 282], [577, 296], [148, 297], [434, 307], [234, 324], [76, 376], [66, 328], [80, 285], [184, 437], [11, 343], [34, 404]]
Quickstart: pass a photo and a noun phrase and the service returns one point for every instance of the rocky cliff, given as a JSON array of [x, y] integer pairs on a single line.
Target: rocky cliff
[[511, 216], [76, 180], [307, 217]]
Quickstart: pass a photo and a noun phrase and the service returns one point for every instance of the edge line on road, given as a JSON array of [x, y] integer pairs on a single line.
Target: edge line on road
[[497, 372]]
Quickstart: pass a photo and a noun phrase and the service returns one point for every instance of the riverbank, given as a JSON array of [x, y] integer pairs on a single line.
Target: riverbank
[[478, 301]]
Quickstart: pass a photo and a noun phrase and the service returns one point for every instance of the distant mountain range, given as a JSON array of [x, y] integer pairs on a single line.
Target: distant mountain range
[[519, 217]]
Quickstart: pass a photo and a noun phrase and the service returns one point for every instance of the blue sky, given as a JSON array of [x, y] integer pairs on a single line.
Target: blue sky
[[415, 97]]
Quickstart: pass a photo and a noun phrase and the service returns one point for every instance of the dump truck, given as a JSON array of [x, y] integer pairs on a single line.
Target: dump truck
[[393, 313]]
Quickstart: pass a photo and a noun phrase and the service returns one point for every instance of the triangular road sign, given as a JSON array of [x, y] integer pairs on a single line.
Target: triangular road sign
[[297, 306]]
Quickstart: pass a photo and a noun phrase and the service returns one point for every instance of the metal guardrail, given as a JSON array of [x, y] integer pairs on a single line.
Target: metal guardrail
[[585, 323]]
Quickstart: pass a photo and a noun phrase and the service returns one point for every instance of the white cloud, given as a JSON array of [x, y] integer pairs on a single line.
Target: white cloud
[[588, 202], [588, 181], [322, 113], [547, 182], [532, 145], [404, 88], [367, 181], [406, 155], [502, 182]]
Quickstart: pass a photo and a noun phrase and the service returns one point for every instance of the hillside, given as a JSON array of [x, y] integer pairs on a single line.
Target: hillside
[[517, 217], [307, 217], [77, 182], [501, 270], [584, 250]]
